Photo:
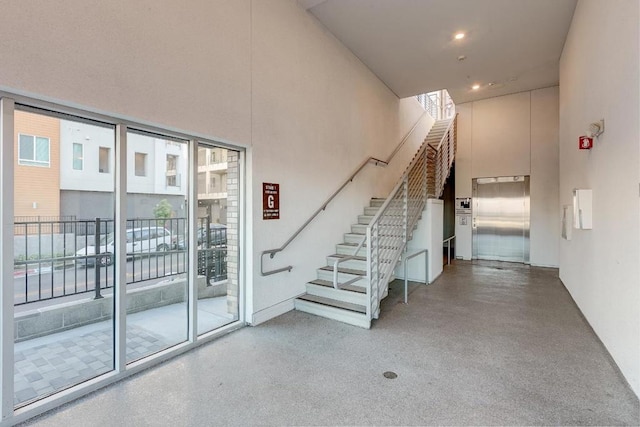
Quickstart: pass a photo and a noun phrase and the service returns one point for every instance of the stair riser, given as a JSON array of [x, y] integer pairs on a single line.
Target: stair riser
[[348, 250], [376, 203], [358, 228], [371, 211], [355, 264], [345, 316], [353, 238], [364, 219], [340, 295], [392, 211], [342, 277]]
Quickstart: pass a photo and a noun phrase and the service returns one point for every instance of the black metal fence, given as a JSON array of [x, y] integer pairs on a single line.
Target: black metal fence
[[59, 258]]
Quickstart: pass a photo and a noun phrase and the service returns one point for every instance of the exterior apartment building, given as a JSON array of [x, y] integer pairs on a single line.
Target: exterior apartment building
[[66, 169], [37, 164], [87, 172], [212, 184]]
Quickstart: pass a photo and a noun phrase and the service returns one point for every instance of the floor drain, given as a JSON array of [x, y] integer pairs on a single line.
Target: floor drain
[[390, 375]]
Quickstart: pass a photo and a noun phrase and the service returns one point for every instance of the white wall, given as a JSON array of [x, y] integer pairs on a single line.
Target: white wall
[[427, 235], [513, 135], [601, 267], [317, 113], [264, 75]]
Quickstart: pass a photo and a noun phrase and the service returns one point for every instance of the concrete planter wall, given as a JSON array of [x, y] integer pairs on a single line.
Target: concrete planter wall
[[69, 315]]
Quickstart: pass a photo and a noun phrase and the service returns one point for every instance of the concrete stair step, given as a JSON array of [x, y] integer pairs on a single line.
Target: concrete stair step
[[358, 228], [347, 293], [364, 219], [376, 202], [371, 210], [358, 263], [360, 289], [344, 274], [434, 138], [354, 237], [391, 210], [437, 132], [348, 248], [353, 314]]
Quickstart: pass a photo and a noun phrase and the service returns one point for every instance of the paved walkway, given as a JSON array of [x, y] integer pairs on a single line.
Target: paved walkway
[[54, 362]]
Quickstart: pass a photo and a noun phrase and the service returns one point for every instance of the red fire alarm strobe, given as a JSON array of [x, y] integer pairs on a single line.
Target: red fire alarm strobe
[[585, 143]]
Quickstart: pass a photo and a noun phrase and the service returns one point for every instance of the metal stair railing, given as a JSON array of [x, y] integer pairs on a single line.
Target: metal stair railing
[[272, 252], [445, 154], [438, 104], [390, 229]]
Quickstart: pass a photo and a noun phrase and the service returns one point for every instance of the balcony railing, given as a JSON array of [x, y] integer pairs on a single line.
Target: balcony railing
[[54, 259], [438, 104]]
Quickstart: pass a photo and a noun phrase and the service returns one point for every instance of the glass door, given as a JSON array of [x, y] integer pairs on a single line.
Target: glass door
[[156, 245], [63, 271]]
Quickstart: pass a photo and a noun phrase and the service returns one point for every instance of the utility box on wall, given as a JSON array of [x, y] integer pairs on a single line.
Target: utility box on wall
[[582, 209], [463, 230]]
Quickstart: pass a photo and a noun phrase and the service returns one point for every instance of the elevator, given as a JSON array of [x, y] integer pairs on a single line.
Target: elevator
[[500, 218]]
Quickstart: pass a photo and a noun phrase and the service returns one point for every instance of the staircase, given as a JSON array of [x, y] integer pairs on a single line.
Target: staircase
[[438, 164], [354, 281], [348, 303]]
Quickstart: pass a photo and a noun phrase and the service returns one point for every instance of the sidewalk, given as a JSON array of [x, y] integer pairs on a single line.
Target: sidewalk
[[54, 362]]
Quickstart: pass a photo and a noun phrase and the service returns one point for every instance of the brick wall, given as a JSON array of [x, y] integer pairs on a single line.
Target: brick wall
[[233, 214]]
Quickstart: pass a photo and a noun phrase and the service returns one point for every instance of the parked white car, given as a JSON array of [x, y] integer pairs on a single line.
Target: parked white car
[[146, 240]]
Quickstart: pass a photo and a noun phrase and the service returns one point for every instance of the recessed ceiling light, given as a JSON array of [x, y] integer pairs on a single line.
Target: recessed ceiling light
[[461, 58], [475, 87], [459, 36]]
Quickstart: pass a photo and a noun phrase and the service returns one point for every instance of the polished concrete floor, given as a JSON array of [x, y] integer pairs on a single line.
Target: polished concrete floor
[[486, 344]]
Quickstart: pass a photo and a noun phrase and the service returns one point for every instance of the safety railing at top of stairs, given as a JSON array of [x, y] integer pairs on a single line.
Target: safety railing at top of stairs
[[390, 229], [438, 104], [445, 155], [365, 162]]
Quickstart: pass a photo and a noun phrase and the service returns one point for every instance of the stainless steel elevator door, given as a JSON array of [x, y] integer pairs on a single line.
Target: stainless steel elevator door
[[501, 218]]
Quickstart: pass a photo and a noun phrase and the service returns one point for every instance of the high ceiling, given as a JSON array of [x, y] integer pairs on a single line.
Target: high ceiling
[[509, 45]]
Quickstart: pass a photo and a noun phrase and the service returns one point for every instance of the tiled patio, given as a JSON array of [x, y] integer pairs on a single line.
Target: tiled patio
[[51, 363]]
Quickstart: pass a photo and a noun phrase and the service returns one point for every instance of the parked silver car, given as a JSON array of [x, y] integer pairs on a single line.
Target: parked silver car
[[139, 240]]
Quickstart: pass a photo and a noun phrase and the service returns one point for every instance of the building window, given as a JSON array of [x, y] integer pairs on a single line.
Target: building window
[[172, 170], [77, 156], [141, 164], [172, 163], [212, 183], [103, 161], [33, 150], [213, 157]]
